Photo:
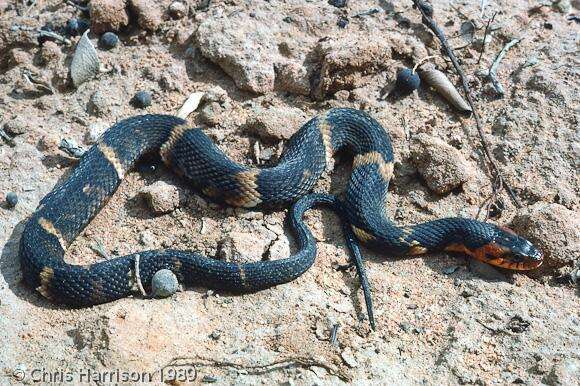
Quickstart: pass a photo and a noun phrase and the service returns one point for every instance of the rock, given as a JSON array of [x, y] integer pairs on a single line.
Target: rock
[[94, 131], [442, 166], [348, 358], [16, 126], [554, 229], [99, 104], [345, 64], [161, 197], [50, 52], [243, 247], [148, 13], [216, 94], [292, 77], [275, 122], [164, 283], [177, 9], [108, 15], [11, 199], [243, 47], [211, 113]]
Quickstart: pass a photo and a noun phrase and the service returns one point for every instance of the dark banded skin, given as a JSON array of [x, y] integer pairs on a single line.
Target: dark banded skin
[[65, 211]]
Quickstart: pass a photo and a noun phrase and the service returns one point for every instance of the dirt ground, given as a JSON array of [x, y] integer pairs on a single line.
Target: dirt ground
[[266, 68]]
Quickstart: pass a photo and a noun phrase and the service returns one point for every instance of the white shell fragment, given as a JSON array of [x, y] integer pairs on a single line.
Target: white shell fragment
[[444, 87], [190, 104], [85, 63], [164, 283]]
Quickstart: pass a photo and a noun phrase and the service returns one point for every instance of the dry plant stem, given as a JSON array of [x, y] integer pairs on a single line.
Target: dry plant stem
[[138, 276], [496, 173], [258, 369], [421, 61], [487, 28], [493, 69]]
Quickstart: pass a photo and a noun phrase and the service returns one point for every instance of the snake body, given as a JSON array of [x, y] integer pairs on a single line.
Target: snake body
[[69, 207]]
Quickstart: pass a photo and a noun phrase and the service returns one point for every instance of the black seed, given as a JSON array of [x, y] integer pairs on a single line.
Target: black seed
[[342, 22], [11, 199], [72, 27], [407, 81], [109, 40], [141, 99], [83, 26], [338, 3]]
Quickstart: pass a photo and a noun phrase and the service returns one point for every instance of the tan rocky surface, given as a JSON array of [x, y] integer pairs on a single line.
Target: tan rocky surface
[[268, 67]]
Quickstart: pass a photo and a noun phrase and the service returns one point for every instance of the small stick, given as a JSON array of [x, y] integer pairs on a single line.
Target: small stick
[[334, 335], [427, 20], [423, 60], [485, 36], [54, 36], [7, 138], [138, 276], [493, 69]]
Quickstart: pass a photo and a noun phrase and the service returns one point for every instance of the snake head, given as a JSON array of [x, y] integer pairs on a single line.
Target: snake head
[[508, 250], [501, 247]]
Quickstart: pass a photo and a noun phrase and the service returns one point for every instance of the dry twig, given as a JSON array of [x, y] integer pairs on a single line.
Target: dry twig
[[492, 74], [487, 30], [427, 12]]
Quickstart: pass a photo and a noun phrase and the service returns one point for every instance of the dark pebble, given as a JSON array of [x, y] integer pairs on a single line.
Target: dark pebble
[[142, 99], [342, 22], [407, 81], [76, 27], [11, 199], [338, 3], [109, 40], [209, 379]]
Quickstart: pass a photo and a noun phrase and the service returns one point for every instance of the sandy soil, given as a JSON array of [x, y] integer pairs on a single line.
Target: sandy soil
[[267, 67]]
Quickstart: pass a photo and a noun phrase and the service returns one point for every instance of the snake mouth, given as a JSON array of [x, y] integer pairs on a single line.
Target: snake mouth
[[499, 257], [513, 265]]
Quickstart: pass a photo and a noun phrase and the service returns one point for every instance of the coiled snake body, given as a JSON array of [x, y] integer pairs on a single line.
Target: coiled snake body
[[70, 206]]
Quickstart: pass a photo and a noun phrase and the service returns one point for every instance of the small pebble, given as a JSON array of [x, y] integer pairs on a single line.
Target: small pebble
[[209, 379], [164, 283], [109, 40], [177, 10], [76, 27], [142, 99], [11, 199], [407, 81], [338, 3], [342, 22]]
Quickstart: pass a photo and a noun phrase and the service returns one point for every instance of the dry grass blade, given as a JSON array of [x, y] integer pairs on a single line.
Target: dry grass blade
[[444, 87]]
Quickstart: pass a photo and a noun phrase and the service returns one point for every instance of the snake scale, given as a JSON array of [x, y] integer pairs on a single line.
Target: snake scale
[[64, 212]]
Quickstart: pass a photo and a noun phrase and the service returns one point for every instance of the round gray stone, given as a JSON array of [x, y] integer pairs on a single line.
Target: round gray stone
[[164, 283]]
